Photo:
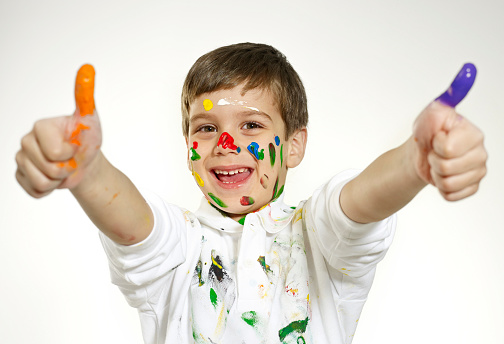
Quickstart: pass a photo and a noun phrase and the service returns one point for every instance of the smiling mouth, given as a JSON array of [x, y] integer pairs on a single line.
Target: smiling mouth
[[232, 177]]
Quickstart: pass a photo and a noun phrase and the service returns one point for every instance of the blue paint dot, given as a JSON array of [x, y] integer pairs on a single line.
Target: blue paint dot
[[238, 150], [277, 140]]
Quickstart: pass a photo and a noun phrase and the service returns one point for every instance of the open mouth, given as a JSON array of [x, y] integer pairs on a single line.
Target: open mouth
[[232, 177]]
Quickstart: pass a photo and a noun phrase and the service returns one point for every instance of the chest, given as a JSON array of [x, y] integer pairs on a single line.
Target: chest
[[252, 284]]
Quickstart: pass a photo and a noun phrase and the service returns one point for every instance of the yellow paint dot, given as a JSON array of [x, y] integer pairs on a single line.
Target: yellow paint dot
[[207, 104], [198, 179]]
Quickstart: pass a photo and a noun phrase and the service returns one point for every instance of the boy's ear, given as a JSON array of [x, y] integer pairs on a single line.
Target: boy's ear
[[297, 147]]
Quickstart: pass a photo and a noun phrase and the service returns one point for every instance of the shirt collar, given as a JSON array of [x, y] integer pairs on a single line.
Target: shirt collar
[[274, 217]]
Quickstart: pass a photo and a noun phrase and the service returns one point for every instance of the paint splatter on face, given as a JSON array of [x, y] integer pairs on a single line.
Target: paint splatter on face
[[272, 154], [194, 155], [277, 140], [246, 200], [227, 141], [265, 181], [277, 192], [253, 148], [198, 178], [217, 200], [207, 104], [281, 156]]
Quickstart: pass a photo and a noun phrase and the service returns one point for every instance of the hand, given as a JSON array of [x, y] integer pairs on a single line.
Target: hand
[[59, 151], [449, 149]]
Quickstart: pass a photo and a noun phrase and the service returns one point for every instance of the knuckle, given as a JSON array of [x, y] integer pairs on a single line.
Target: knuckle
[[42, 185], [53, 152], [25, 141]]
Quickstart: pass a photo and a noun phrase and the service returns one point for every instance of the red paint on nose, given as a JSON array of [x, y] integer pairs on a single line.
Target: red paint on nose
[[226, 141]]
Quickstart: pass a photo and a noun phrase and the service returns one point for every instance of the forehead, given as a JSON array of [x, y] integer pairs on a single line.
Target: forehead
[[258, 99]]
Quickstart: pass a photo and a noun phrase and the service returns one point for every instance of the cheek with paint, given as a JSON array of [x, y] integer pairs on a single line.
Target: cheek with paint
[[258, 153], [194, 156]]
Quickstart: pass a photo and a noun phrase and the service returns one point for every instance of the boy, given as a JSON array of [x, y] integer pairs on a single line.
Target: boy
[[246, 268]]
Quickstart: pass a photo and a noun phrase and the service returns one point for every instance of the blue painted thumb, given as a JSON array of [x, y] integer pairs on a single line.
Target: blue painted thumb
[[460, 86]]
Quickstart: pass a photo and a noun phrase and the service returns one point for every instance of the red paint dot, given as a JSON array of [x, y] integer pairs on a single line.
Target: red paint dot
[[195, 145]]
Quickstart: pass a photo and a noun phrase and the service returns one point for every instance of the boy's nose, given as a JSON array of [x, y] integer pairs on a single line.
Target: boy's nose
[[226, 144]]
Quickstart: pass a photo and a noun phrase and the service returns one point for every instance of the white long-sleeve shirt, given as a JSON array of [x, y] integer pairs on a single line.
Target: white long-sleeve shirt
[[288, 275]]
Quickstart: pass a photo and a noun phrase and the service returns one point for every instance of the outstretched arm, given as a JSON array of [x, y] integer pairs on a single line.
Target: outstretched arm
[[445, 150], [64, 152]]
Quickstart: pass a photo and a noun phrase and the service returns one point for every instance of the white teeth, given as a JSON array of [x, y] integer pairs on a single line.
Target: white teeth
[[241, 170]]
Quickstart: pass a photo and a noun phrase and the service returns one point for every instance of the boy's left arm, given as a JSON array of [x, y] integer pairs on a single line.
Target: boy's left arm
[[445, 150]]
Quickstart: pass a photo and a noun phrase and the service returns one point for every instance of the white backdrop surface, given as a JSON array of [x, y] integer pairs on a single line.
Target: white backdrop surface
[[369, 67]]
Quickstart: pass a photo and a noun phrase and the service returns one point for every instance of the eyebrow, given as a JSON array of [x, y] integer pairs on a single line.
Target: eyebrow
[[245, 113]]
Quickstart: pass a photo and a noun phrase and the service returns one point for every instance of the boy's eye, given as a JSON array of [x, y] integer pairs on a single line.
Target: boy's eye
[[251, 125], [207, 129]]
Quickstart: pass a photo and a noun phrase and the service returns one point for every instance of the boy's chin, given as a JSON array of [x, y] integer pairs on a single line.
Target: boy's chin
[[237, 208]]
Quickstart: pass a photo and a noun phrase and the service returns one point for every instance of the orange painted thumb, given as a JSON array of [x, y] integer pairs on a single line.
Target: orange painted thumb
[[84, 90]]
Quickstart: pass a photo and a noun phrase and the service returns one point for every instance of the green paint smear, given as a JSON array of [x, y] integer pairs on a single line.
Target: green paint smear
[[194, 155], [276, 192], [250, 318], [213, 297], [262, 261], [198, 271], [272, 152], [281, 155], [217, 200], [298, 326], [242, 221]]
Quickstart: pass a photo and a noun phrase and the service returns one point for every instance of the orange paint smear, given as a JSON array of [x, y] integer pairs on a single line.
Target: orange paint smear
[[84, 90], [74, 136], [72, 163]]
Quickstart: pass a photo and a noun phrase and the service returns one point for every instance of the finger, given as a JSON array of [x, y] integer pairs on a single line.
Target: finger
[[457, 196], [461, 138], [32, 179], [474, 159], [31, 150], [84, 91], [460, 86], [23, 181], [50, 135], [458, 182]]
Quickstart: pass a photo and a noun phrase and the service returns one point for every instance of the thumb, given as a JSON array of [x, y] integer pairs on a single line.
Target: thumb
[[84, 103], [459, 87], [84, 91]]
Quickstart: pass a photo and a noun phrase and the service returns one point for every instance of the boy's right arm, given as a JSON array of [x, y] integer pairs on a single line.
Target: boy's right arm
[[64, 152]]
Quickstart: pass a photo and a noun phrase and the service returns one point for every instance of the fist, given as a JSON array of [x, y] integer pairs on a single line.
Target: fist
[[449, 149], [58, 152]]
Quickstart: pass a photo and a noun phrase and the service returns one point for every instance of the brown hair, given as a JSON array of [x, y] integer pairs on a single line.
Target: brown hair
[[256, 65]]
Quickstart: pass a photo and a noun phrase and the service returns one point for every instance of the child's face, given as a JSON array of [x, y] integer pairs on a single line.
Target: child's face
[[237, 149]]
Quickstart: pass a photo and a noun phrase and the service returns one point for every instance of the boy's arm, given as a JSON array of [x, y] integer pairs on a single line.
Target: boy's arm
[[445, 150], [64, 152]]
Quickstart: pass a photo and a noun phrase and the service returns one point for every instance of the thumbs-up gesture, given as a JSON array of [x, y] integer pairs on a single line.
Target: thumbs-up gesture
[[449, 148], [59, 151]]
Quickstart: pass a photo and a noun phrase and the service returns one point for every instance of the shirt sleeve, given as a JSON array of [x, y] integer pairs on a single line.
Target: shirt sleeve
[[352, 248], [137, 269]]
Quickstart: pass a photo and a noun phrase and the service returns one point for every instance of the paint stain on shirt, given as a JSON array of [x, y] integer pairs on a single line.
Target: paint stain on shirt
[[250, 318], [298, 326]]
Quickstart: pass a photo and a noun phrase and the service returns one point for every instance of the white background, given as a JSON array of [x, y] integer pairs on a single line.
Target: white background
[[369, 68]]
